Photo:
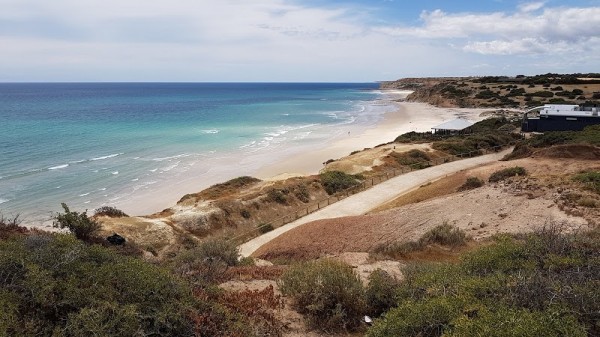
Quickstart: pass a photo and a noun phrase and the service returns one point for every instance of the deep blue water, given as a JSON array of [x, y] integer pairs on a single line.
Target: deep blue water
[[91, 144]]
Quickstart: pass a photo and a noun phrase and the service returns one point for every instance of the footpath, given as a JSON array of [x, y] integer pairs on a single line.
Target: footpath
[[371, 198]]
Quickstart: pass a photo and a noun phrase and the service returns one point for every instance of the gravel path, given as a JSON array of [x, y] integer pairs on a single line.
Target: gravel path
[[365, 201]]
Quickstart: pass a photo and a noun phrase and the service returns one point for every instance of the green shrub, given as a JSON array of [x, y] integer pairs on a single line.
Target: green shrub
[[398, 249], [55, 285], [335, 181], [79, 224], [588, 202], [537, 284], [515, 322], [445, 235], [380, 293], [471, 183], [265, 228], [427, 319], [541, 94], [328, 292], [245, 214], [591, 180], [507, 173], [414, 158], [208, 262], [416, 137], [109, 211], [277, 196], [302, 193]]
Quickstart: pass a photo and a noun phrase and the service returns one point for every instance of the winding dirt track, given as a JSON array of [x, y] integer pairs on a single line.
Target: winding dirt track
[[365, 201]]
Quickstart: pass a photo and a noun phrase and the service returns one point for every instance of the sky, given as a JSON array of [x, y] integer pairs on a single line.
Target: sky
[[293, 40]]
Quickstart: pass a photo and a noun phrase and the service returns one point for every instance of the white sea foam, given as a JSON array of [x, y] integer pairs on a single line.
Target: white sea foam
[[183, 155], [84, 194], [252, 143], [115, 172], [153, 170], [135, 179], [106, 157], [3, 200], [170, 167], [210, 131], [102, 189], [58, 167]]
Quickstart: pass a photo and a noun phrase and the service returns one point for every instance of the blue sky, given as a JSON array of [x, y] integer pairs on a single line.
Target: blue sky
[[292, 40]]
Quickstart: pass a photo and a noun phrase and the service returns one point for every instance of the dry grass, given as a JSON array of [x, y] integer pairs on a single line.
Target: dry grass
[[438, 188]]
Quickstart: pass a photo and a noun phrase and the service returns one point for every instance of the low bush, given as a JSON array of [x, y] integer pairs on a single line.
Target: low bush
[[277, 195], [110, 211], [416, 159], [471, 183], [302, 193], [327, 292], [416, 137], [260, 306], [541, 94], [589, 135], [381, 292], [521, 150], [245, 214], [335, 181], [591, 180], [445, 235], [507, 173], [588, 202], [79, 224], [218, 190], [265, 228], [206, 263]]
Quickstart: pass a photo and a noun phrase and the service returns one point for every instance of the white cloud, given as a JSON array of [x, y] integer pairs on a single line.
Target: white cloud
[[273, 40], [522, 32], [531, 6]]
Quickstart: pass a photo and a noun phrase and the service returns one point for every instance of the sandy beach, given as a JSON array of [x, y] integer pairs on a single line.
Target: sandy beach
[[299, 160], [419, 117]]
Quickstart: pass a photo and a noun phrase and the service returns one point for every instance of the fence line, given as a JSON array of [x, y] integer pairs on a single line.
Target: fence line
[[365, 184]]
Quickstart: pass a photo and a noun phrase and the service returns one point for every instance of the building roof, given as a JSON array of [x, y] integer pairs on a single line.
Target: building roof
[[455, 125]]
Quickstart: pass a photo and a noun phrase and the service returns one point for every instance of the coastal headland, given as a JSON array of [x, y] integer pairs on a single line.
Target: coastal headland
[[489, 221]]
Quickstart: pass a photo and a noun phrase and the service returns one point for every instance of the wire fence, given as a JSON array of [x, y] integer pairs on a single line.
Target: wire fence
[[365, 184]]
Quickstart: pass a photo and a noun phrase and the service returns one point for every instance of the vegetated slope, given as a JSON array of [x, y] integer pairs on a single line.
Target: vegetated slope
[[540, 284], [499, 91], [518, 204]]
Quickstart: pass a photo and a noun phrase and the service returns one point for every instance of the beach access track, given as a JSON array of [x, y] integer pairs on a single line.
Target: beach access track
[[362, 202]]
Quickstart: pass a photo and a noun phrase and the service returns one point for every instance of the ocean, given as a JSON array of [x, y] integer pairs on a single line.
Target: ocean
[[95, 144]]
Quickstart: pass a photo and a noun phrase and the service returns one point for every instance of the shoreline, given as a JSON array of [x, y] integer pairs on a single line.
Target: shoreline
[[302, 160]]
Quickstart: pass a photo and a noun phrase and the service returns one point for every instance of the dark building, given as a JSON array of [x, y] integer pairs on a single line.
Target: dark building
[[556, 117]]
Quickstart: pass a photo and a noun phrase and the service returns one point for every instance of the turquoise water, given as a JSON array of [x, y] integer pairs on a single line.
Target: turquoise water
[[98, 144]]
